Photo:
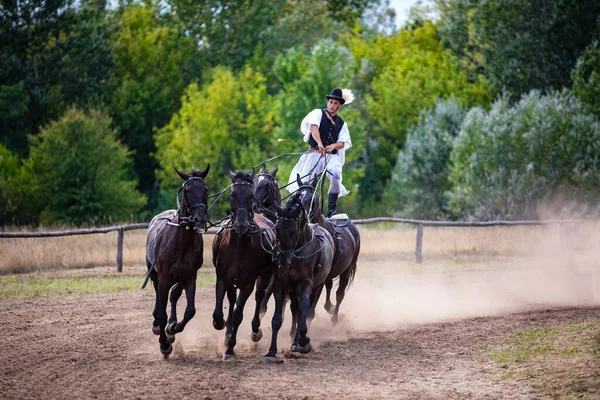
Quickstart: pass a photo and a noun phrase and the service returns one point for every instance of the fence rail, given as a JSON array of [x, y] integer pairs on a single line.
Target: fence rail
[[120, 229]]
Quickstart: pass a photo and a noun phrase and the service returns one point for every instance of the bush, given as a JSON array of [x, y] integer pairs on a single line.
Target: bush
[[508, 160], [81, 173], [420, 177]]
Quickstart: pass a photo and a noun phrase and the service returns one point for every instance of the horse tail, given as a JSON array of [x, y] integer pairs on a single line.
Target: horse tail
[[353, 264]]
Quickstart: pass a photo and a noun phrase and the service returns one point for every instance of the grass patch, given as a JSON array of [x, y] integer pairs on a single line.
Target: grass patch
[[29, 286], [560, 360]]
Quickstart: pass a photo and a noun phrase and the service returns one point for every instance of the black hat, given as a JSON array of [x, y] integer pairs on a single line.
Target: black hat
[[337, 95]]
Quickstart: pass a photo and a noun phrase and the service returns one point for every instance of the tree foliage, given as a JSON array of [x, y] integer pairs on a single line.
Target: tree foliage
[[153, 66], [586, 77], [520, 45], [508, 160], [81, 173], [227, 122], [416, 73], [417, 188], [60, 53]]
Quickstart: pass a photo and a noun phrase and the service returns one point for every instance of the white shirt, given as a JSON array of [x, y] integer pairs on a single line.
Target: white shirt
[[314, 118]]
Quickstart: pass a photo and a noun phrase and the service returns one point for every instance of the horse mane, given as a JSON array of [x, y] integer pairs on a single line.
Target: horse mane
[[292, 208], [196, 173]]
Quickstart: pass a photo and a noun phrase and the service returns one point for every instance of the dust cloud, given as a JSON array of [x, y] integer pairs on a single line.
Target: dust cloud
[[550, 266], [466, 272]]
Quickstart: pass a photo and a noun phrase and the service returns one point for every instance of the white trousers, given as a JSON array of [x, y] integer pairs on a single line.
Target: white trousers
[[308, 161]]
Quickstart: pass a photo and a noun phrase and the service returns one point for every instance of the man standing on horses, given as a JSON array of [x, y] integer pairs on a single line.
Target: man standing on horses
[[328, 137]]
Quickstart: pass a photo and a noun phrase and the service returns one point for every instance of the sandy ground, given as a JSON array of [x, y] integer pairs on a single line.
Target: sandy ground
[[406, 331], [101, 346]]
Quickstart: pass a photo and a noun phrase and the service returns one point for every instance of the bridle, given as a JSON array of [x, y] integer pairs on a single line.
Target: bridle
[[250, 213], [313, 210], [271, 195], [188, 219]]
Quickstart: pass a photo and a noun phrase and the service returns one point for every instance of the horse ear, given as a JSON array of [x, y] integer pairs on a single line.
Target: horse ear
[[298, 180], [251, 172], [263, 168], [183, 175], [231, 175], [274, 172], [205, 172], [314, 182]]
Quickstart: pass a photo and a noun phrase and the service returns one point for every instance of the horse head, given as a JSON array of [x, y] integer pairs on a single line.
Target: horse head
[[194, 198], [266, 192], [307, 193], [291, 222], [242, 200]]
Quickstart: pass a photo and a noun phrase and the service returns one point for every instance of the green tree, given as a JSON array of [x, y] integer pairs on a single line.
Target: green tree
[[60, 52], [520, 45], [14, 103], [586, 77], [9, 169], [154, 63], [82, 172], [227, 123], [417, 188], [508, 160], [413, 71]]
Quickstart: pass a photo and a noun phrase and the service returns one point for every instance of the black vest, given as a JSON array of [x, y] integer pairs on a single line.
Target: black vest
[[329, 132]]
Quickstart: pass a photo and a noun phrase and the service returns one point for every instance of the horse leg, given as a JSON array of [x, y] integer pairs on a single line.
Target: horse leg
[[340, 293], [155, 325], [276, 323], [190, 309], [328, 305], [175, 295], [294, 306], [266, 297], [231, 296], [163, 298], [304, 345], [314, 299], [261, 286], [218, 321], [238, 316]]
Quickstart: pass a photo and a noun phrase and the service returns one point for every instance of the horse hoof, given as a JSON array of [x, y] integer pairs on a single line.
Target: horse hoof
[[228, 357], [329, 308], [334, 320], [272, 360], [256, 336], [155, 328], [166, 351], [169, 331], [218, 325], [296, 348]]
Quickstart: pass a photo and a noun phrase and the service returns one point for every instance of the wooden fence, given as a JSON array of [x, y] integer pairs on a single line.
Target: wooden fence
[[418, 249]]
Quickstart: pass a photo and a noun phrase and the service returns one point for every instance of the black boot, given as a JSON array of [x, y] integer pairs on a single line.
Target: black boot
[[332, 205]]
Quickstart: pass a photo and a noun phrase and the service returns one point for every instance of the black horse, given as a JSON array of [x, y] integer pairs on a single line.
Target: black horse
[[174, 255], [305, 254], [266, 193], [242, 253], [346, 238]]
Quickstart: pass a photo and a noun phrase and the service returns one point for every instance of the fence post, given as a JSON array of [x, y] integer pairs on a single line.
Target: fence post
[[419, 249], [120, 249]]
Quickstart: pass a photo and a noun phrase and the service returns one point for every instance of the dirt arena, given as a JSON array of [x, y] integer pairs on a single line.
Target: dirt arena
[[406, 331]]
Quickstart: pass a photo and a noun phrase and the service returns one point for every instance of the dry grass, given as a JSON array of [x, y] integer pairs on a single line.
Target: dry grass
[[461, 246], [22, 255], [561, 361]]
